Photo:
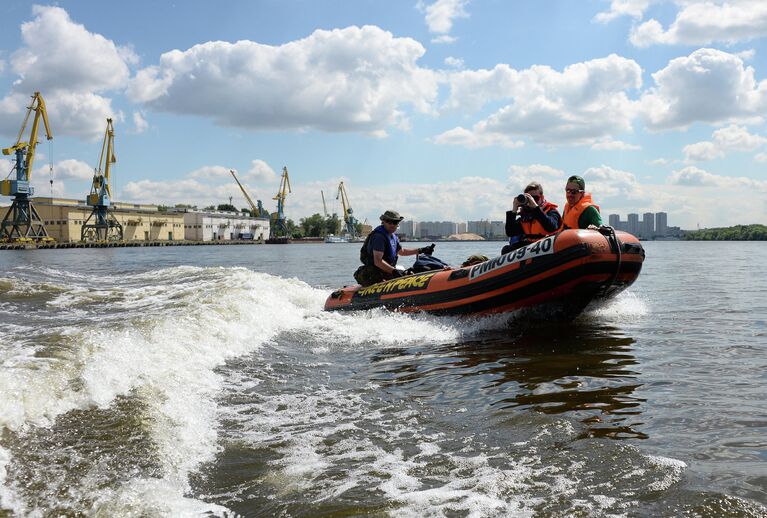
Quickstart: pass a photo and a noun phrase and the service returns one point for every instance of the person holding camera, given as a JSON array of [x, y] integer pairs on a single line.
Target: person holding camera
[[381, 249], [531, 218]]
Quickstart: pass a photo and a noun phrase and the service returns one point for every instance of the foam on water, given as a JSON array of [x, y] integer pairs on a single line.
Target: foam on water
[[161, 341], [161, 335], [626, 306], [332, 442]]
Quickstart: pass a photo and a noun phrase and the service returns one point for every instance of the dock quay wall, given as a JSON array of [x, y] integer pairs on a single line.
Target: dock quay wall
[[121, 244]]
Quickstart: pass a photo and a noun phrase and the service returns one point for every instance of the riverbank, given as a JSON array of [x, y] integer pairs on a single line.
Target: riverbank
[[122, 244]]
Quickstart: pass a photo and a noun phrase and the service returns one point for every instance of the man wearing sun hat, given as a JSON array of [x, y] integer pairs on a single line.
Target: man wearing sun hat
[[380, 251], [580, 210]]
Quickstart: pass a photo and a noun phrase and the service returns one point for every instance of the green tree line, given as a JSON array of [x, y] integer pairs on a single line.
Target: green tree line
[[736, 233]]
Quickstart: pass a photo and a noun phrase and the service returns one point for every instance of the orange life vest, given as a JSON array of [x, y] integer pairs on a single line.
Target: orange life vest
[[572, 214], [533, 229]]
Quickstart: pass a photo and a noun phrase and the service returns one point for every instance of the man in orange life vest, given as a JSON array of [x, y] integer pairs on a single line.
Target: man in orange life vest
[[531, 218], [580, 210]]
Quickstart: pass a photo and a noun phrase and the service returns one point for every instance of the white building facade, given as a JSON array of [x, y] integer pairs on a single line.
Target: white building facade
[[223, 226]]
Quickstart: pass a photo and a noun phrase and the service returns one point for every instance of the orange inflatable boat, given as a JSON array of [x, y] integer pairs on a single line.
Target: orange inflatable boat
[[560, 275]]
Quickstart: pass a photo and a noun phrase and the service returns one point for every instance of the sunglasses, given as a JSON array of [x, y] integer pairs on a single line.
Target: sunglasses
[[390, 222], [573, 191]]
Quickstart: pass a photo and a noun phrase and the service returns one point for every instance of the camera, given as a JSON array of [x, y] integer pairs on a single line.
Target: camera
[[521, 198]]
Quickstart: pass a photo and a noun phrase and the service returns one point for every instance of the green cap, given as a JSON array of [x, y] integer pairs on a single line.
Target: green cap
[[577, 179]]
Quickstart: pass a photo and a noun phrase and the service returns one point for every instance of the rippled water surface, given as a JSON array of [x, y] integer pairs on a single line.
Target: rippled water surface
[[193, 381]]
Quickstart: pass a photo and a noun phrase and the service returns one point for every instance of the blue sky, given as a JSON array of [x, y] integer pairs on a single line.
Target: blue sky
[[440, 109]]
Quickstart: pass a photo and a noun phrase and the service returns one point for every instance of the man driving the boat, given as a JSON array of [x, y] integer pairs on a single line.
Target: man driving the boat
[[381, 249], [531, 218], [580, 210]]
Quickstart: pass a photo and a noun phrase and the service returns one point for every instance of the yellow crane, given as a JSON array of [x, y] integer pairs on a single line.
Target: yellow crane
[[324, 206], [350, 222], [281, 223], [21, 222], [257, 209], [101, 224]]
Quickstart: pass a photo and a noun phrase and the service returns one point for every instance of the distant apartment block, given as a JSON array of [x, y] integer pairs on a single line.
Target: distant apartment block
[[651, 226], [436, 229], [412, 229], [487, 229], [408, 229]]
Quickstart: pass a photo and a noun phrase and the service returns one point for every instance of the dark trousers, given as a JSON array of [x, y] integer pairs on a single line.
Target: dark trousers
[[367, 275]]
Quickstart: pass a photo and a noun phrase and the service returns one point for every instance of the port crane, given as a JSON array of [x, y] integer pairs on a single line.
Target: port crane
[[350, 222], [324, 206], [21, 222], [281, 222], [101, 224], [256, 208]]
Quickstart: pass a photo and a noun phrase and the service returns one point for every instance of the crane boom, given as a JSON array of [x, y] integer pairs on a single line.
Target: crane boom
[[24, 163], [256, 208], [253, 206], [324, 206]]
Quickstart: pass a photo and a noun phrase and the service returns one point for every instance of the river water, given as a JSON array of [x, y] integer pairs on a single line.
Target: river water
[[193, 381]]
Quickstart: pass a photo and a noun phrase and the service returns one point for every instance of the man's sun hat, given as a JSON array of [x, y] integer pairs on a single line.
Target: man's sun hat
[[391, 215]]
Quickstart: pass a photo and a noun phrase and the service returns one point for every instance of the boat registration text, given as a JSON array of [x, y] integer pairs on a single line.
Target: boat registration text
[[542, 247]]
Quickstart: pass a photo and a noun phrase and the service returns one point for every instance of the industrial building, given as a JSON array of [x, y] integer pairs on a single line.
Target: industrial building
[[63, 219], [201, 225]]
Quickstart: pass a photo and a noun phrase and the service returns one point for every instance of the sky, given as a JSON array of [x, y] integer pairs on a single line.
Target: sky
[[441, 110]]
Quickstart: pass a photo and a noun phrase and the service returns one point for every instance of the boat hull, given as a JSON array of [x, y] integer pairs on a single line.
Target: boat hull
[[559, 276]]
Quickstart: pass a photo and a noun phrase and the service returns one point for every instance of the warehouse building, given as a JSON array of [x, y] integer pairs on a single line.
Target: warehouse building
[[215, 225], [63, 220]]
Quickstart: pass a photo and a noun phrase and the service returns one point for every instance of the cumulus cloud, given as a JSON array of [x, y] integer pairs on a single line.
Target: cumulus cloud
[[608, 144], [441, 14], [71, 67], [352, 79], [746, 55], [692, 176], [260, 171], [731, 138], [618, 8], [454, 62], [206, 185], [760, 157], [71, 178], [140, 125], [476, 138], [613, 186], [210, 172], [701, 151], [188, 190], [59, 54], [705, 22], [685, 88], [582, 105], [71, 169], [79, 114], [444, 39], [550, 178]]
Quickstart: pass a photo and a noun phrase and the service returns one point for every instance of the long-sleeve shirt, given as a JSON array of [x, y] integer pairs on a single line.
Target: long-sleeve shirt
[[550, 220]]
